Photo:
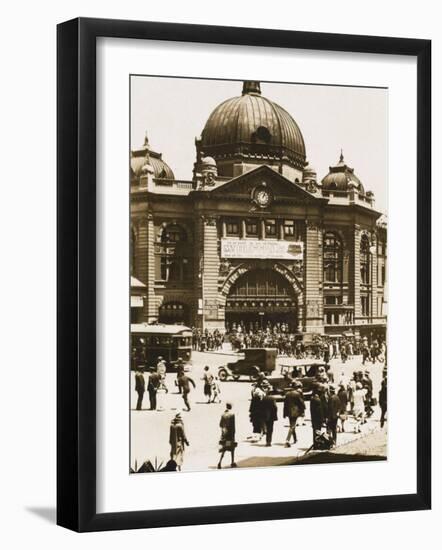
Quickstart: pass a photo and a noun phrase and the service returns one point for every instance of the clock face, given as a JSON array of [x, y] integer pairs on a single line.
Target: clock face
[[262, 197]]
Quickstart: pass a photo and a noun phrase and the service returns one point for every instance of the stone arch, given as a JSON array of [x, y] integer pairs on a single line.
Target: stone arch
[[245, 267]]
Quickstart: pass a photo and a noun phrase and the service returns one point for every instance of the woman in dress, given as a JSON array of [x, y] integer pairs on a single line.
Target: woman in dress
[[177, 440], [227, 440]]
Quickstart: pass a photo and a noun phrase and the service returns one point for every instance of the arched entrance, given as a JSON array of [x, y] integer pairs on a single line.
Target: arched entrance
[[261, 298], [172, 313]]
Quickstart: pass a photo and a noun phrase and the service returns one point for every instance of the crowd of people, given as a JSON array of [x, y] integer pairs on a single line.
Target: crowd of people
[[331, 405], [290, 344]]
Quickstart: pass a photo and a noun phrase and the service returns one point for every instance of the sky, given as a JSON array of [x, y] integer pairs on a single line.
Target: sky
[[173, 112]]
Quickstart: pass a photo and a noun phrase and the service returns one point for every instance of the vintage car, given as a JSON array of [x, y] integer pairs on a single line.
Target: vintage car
[[307, 374], [255, 360]]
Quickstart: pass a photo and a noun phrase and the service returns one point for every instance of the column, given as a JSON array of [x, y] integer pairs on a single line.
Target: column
[[145, 264], [209, 277], [374, 277], [356, 274], [313, 278]]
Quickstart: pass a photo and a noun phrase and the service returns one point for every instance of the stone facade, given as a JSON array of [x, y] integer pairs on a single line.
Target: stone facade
[[259, 246]]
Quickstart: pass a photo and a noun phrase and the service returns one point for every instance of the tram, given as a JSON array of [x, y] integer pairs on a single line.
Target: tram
[[171, 342]]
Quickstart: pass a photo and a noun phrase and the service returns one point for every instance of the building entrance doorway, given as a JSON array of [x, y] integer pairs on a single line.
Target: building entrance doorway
[[261, 299]]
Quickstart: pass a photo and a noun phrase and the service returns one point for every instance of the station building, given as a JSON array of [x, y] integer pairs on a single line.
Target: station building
[[255, 237]]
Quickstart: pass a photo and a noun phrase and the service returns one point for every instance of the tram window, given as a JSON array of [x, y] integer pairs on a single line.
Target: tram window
[[289, 228], [232, 228], [270, 226], [251, 228]]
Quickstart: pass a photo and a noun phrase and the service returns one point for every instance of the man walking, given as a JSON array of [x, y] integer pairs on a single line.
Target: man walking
[[269, 416], [294, 407], [227, 440], [316, 414], [383, 400], [208, 381], [334, 406], [184, 383], [152, 388], [140, 387]]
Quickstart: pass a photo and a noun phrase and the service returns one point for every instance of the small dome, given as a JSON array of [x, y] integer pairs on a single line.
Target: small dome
[[143, 157], [341, 177], [208, 162], [251, 125], [309, 173]]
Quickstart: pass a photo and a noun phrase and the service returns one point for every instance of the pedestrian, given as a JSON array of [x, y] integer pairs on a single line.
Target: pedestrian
[[140, 387], [269, 416], [343, 399], [185, 382], [216, 391], [152, 388], [383, 400], [208, 381], [256, 412], [334, 406], [294, 407], [227, 440], [179, 373], [359, 406], [316, 414], [177, 440]]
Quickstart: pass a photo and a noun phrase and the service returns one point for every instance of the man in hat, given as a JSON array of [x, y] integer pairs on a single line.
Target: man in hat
[[316, 413], [294, 407], [140, 387], [184, 383], [177, 440], [179, 373], [383, 400], [334, 406], [152, 387], [269, 416], [227, 440]]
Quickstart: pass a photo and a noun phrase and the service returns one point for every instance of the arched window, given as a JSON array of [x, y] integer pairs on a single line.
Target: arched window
[[173, 254], [364, 259], [332, 258]]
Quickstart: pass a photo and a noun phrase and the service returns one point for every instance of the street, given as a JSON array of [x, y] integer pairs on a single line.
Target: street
[[150, 429]]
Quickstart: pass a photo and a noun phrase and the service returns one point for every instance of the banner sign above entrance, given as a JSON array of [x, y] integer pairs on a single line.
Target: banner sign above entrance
[[261, 249]]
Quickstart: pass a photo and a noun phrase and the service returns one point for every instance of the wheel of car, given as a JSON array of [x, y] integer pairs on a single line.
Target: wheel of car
[[235, 377], [222, 375]]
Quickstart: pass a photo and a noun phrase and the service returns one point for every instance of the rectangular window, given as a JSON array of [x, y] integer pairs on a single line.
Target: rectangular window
[[289, 228], [232, 228], [252, 228], [383, 275], [270, 226], [364, 306]]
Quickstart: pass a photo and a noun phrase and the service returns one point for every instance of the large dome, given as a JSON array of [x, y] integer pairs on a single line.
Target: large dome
[[252, 126]]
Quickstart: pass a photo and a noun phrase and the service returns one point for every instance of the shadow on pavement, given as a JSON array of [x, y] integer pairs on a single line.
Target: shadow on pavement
[[323, 457]]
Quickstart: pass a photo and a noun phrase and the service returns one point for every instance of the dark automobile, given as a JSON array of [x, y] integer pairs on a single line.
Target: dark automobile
[[307, 374], [255, 360]]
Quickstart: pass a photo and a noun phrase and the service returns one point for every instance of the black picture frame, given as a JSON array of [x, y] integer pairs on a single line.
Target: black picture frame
[[76, 274]]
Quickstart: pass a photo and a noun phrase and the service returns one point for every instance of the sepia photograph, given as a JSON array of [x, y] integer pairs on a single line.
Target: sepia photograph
[[258, 274]]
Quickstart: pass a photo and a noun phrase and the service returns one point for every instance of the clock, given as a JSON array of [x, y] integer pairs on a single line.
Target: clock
[[261, 195]]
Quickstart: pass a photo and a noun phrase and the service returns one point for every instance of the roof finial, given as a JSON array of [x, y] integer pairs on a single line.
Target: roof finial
[[341, 158], [146, 139], [251, 87]]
